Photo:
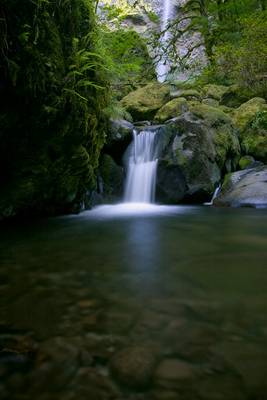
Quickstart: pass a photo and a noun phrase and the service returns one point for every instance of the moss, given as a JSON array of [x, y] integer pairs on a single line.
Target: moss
[[245, 162], [173, 108], [247, 111], [211, 102], [211, 115], [143, 103], [189, 94], [128, 60], [214, 91], [233, 97], [53, 84]]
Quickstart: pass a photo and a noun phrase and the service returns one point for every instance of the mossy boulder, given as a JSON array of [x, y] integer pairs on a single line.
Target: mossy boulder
[[214, 91], [144, 102], [189, 94], [251, 119], [173, 108], [246, 162], [244, 188], [110, 179], [210, 115], [233, 97], [210, 102], [254, 137], [202, 145], [247, 111]]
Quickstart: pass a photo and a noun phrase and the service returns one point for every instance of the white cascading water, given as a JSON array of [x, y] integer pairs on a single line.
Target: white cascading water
[[215, 194], [141, 168], [163, 66]]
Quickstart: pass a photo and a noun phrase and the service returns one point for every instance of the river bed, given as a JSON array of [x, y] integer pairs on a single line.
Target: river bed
[[155, 303]]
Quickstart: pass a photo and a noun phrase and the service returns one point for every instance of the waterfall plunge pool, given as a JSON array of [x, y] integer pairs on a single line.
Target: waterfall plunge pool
[[84, 297]]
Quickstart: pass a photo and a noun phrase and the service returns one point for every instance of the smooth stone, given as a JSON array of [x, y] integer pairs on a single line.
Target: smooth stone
[[133, 366]]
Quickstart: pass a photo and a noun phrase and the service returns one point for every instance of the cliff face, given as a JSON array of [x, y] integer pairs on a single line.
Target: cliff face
[[146, 19]]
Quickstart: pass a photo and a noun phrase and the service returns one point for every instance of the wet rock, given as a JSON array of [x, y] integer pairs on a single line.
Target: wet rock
[[247, 188], [171, 183], [248, 359], [171, 372], [57, 362], [133, 366], [198, 147], [220, 387], [112, 178], [90, 383], [120, 136], [193, 341]]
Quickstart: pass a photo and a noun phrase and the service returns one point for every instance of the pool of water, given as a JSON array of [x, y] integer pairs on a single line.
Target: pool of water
[[161, 303]]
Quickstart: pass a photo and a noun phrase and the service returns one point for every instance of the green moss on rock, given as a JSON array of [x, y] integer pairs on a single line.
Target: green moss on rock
[[246, 162], [247, 111], [214, 91], [210, 115], [173, 108], [143, 103]]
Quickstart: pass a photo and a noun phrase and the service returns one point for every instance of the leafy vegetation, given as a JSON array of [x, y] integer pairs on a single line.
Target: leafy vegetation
[[53, 90]]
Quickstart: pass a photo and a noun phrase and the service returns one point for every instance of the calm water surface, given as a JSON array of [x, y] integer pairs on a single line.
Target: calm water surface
[[166, 304]]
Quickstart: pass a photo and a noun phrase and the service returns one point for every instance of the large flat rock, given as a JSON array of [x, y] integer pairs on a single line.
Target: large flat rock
[[247, 188]]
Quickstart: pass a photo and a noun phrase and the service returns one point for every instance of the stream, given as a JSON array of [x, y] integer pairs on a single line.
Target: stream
[[135, 302]]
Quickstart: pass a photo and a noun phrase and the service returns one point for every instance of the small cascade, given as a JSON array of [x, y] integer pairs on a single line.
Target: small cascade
[[215, 194], [141, 160], [163, 66]]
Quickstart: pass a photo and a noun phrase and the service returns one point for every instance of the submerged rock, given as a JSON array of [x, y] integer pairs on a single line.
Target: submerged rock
[[247, 188], [133, 366]]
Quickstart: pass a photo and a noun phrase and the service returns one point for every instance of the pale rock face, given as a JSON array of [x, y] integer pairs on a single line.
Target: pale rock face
[[141, 23]]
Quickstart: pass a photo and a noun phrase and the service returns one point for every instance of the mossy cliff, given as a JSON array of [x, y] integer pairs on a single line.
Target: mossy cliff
[[53, 91]]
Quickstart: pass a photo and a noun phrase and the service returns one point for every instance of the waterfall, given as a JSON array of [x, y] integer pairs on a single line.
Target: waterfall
[[163, 66], [215, 194], [141, 159]]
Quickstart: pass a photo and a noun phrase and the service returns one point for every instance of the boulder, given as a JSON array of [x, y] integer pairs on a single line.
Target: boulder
[[173, 108], [111, 178], [247, 188], [215, 92], [189, 94], [233, 97], [210, 102], [196, 149], [247, 111], [144, 102], [246, 162], [120, 136], [251, 119], [133, 366]]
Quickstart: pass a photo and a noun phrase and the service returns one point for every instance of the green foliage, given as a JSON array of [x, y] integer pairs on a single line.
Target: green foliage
[[128, 60], [245, 61], [53, 90]]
